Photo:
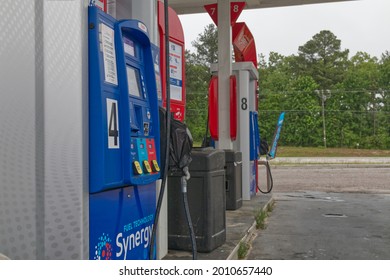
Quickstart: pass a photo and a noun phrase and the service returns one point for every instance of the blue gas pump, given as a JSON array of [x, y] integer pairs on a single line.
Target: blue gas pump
[[123, 138]]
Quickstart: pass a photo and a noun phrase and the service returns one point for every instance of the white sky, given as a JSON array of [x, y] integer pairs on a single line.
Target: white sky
[[362, 25]]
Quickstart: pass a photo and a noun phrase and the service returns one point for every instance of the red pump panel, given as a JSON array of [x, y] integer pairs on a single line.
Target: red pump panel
[[233, 107], [177, 61], [213, 108]]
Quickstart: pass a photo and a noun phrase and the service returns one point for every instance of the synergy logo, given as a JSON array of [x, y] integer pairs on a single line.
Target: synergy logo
[[103, 250]]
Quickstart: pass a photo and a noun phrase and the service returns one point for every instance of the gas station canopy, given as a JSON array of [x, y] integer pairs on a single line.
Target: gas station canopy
[[196, 6]]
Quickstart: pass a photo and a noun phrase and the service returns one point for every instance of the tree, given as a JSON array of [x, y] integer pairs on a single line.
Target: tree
[[197, 75], [197, 79], [323, 60], [356, 110], [206, 45]]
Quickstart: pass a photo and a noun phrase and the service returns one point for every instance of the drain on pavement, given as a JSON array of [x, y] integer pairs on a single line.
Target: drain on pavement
[[334, 215]]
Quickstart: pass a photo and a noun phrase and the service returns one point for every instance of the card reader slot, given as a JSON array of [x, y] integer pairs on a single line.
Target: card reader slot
[[138, 122], [134, 128]]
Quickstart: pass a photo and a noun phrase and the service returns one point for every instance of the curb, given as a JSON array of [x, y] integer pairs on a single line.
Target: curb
[[328, 165], [249, 235], [332, 160]]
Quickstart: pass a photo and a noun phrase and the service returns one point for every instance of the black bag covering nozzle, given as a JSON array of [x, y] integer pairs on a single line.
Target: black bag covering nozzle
[[180, 148], [180, 145]]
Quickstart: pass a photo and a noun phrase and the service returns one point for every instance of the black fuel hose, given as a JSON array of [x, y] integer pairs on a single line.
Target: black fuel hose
[[168, 138], [184, 180], [269, 173]]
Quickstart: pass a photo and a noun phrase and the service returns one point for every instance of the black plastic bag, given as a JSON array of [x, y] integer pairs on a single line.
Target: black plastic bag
[[181, 143], [180, 146], [264, 148]]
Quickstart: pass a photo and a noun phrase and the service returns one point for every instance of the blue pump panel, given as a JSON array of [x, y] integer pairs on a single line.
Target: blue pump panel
[[105, 130], [254, 136], [136, 72], [124, 138], [156, 60], [123, 104], [122, 223]]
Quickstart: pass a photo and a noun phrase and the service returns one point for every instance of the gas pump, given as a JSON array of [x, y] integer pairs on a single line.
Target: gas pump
[[124, 138], [245, 50], [243, 97], [176, 61]]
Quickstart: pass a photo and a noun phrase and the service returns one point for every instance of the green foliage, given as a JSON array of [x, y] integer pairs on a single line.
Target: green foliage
[[260, 218], [197, 75], [196, 115], [207, 45], [356, 93], [322, 59]]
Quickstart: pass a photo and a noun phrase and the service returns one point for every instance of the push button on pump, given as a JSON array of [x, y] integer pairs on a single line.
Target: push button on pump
[[137, 168], [155, 166], [147, 166]]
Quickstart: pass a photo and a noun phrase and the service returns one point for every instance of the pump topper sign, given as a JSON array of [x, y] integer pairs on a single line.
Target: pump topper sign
[[235, 11]]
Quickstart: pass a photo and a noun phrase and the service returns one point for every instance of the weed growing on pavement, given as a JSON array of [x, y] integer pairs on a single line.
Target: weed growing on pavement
[[271, 206], [260, 219], [242, 250], [262, 214]]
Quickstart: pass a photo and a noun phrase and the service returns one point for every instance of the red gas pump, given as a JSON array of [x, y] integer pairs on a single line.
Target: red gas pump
[[235, 11], [177, 61]]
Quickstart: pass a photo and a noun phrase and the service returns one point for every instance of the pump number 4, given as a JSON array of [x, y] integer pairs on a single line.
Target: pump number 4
[[112, 124]]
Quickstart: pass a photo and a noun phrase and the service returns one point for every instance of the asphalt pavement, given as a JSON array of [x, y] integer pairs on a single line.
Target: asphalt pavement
[[325, 208], [325, 226]]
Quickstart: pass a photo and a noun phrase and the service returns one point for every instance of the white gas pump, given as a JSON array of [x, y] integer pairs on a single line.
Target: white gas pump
[[246, 75]]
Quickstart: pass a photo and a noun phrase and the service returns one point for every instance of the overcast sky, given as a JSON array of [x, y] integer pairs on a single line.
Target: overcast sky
[[362, 25]]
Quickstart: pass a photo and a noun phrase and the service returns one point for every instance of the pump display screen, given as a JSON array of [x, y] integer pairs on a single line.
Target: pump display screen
[[133, 81]]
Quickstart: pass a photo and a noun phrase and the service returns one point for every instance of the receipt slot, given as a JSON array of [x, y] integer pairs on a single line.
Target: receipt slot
[[123, 138]]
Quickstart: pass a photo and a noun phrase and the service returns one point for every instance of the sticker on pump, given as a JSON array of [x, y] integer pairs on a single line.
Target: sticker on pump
[[98, 3], [142, 27], [176, 75], [112, 123], [109, 54]]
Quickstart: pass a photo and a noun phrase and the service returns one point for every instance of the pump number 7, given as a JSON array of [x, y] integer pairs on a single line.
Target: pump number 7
[[112, 124]]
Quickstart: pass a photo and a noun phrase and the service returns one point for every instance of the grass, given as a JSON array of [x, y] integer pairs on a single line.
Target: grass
[[271, 206], [322, 152], [260, 219], [262, 214], [329, 152], [242, 250]]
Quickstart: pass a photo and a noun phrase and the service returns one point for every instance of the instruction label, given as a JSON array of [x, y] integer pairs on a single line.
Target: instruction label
[[175, 71], [109, 55]]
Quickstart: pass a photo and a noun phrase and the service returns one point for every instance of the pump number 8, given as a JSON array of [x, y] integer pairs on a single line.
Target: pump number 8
[[244, 103]]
